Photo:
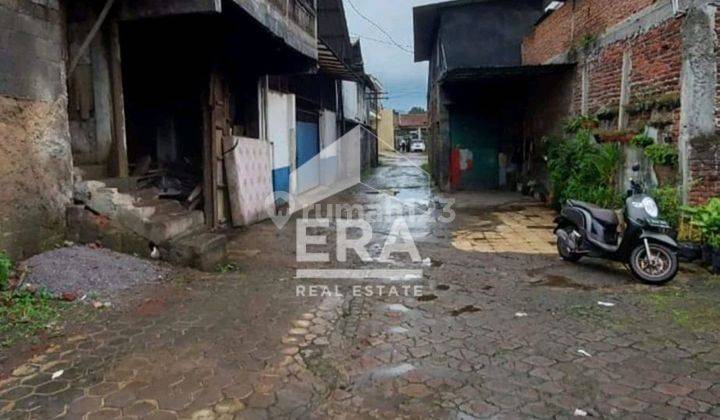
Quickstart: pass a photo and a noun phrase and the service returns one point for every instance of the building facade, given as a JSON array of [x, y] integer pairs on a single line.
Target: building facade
[[476, 88], [639, 66], [410, 128], [135, 110], [642, 66]]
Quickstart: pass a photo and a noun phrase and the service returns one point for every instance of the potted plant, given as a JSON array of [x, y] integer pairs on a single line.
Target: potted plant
[[665, 159], [707, 218], [642, 141], [713, 242]]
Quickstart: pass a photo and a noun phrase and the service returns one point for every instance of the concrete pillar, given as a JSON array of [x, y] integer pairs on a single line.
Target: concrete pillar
[[698, 84], [625, 90], [585, 90], [442, 166], [102, 92]]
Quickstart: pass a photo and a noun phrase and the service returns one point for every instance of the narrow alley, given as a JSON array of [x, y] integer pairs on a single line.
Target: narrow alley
[[502, 327], [359, 209]]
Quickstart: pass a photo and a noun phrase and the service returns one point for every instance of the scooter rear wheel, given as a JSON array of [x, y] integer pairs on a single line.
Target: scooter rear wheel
[[662, 268], [564, 250]]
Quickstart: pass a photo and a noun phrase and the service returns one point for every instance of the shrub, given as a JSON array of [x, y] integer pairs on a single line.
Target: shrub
[[669, 201], [662, 154], [707, 218], [581, 169]]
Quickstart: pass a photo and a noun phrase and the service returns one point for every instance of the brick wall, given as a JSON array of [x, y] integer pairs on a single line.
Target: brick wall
[[656, 65], [35, 156], [567, 26]]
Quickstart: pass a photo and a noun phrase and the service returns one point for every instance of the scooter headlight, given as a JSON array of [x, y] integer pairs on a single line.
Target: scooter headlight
[[650, 207]]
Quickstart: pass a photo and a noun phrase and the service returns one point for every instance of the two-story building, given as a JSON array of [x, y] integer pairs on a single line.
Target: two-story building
[[477, 87], [505, 74], [159, 108]]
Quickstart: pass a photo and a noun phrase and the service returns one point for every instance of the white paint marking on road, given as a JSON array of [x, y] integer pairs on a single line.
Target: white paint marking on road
[[58, 374], [584, 353], [520, 314], [606, 304]]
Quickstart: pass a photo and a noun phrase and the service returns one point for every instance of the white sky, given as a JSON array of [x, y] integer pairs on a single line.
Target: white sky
[[404, 80]]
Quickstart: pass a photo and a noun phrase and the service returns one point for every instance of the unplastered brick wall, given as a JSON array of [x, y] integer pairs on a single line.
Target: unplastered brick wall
[[35, 156], [566, 27], [654, 82]]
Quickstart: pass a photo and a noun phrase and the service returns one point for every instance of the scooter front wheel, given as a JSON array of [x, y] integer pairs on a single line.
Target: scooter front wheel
[[659, 267]]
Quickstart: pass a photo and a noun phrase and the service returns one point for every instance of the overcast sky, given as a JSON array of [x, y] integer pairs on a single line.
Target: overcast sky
[[404, 80]]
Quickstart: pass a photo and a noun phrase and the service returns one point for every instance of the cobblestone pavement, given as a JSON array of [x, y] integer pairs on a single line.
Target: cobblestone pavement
[[502, 329]]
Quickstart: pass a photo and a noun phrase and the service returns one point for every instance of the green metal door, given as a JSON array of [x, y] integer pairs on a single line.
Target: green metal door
[[475, 136]]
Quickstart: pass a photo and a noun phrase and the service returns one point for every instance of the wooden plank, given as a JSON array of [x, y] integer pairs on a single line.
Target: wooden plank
[[120, 135]]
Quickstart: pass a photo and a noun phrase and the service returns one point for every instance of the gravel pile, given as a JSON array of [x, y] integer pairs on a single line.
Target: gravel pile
[[84, 270]]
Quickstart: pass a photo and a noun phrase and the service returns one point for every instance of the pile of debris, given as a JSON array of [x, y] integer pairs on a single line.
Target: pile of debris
[[180, 181]]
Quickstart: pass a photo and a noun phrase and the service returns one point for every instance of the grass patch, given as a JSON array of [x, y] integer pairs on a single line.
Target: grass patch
[[24, 314], [425, 167], [695, 310], [228, 268]]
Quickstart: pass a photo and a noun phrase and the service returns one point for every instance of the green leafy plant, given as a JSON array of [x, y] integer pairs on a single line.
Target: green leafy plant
[[608, 113], [23, 314], [581, 169], [642, 141], [707, 218], [5, 267], [587, 42], [670, 203], [662, 154]]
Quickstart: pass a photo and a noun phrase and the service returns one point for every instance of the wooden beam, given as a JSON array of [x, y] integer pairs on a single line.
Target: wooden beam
[[90, 36], [120, 156]]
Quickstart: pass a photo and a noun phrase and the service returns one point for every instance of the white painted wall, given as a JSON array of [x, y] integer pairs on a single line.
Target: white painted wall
[[281, 127]]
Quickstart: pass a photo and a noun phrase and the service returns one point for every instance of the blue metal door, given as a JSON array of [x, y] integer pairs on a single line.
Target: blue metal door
[[308, 159]]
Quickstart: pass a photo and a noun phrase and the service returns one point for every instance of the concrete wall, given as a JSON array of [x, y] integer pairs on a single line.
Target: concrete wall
[[486, 34], [35, 157]]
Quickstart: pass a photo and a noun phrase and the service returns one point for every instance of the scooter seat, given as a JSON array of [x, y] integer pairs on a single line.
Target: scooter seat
[[604, 216]]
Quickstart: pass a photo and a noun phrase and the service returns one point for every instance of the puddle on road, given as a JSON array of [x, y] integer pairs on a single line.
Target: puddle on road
[[464, 310], [561, 282], [426, 298], [443, 287]]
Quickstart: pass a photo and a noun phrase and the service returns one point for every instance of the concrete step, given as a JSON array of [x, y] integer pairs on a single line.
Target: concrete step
[[141, 212], [202, 250], [165, 227]]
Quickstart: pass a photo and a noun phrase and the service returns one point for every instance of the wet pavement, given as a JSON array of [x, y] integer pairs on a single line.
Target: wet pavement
[[502, 328]]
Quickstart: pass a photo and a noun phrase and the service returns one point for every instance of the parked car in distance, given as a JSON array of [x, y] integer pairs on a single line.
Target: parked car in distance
[[417, 146]]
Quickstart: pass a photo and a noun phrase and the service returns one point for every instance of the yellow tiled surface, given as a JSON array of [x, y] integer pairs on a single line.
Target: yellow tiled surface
[[527, 230]]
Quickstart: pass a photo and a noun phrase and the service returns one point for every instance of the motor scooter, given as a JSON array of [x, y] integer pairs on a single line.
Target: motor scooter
[[639, 238]]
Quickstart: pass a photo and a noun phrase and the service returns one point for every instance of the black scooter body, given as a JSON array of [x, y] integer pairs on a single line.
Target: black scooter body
[[600, 239]]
